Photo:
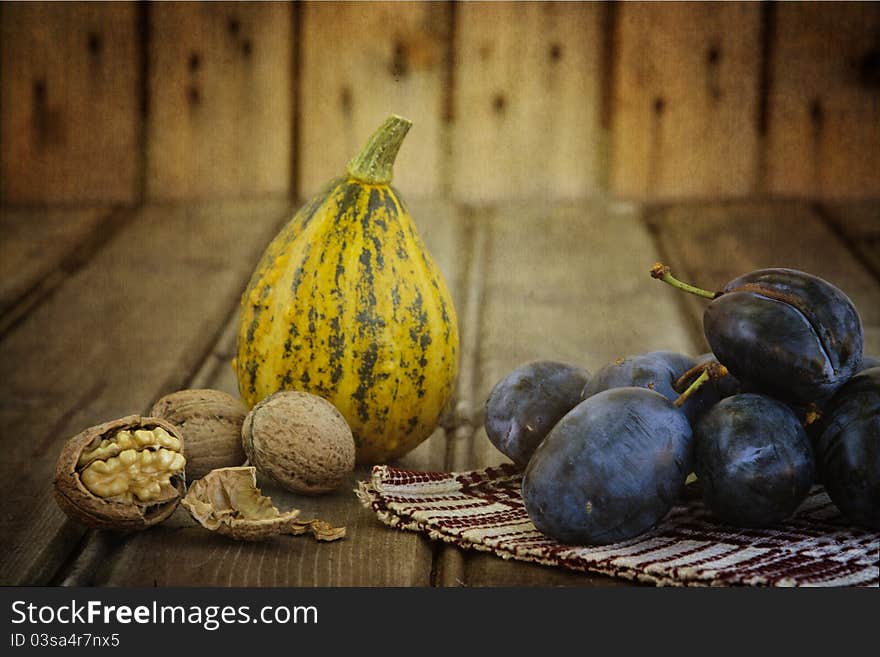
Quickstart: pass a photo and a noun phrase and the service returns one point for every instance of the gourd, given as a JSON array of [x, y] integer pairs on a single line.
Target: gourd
[[346, 303]]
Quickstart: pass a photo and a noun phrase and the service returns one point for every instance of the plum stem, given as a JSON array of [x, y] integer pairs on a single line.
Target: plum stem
[[713, 367], [663, 273], [692, 388], [813, 414], [712, 372]]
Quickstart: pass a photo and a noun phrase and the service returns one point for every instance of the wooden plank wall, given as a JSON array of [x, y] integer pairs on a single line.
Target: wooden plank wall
[[684, 118], [124, 102], [360, 63], [824, 101], [526, 100], [220, 94], [69, 102]]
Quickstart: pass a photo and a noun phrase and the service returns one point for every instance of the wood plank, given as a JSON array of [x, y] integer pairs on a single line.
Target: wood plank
[[372, 554], [37, 242], [221, 100], [69, 102], [567, 282], [179, 553], [361, 62], [823, 137], [859, 224], [131, 325], [527, 97], [711, 244], [449, 560], [685, 93]]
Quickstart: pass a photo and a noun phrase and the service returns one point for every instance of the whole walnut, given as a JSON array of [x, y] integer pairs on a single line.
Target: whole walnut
[[299, 440], [210, 421]]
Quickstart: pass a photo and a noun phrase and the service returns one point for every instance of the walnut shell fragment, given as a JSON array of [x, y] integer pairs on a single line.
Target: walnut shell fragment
[[228, 501], [210, 421], [123, 475]]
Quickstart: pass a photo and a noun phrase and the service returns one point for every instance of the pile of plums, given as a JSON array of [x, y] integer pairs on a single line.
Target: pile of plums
[[785, 400]]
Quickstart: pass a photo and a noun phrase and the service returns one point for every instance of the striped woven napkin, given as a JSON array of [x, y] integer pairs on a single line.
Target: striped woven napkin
[[484, 510]]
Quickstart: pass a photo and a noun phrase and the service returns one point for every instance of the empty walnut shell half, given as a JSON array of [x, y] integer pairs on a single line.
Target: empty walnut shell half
[[228, 501], [123, 475]]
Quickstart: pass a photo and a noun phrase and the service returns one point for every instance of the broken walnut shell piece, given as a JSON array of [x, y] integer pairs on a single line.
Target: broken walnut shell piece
[[122, 475], [227, 500]]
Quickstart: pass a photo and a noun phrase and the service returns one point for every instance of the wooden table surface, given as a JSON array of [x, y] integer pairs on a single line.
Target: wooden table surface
[[105, 309]]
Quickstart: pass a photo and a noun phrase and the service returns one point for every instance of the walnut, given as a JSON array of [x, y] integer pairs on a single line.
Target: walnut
[[228, 501], [210, 421], [122, 475], [299, 440]]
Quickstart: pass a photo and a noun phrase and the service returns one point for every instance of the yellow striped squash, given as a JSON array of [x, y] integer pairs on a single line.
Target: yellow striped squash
[[347, 303]]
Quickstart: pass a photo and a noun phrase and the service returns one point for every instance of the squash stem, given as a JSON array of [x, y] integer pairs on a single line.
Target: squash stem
[[663, 273], [374, 164]]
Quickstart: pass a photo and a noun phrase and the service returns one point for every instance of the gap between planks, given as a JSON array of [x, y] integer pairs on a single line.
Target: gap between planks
[[41, 540], [563, 281], [709, 244], [97, 547], [372, 555], [857, 224], [449, 565], [448, 561], [38, 290]]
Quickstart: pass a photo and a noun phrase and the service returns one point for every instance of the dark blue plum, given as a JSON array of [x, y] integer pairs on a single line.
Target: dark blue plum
[[753, 459], [848, 448], [807, 414], [787, 333], [869, 362], [610, 469], [525, 404], [655, 370]]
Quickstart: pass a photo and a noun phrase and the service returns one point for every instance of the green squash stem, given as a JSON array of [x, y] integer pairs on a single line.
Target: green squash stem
[[374, 164]]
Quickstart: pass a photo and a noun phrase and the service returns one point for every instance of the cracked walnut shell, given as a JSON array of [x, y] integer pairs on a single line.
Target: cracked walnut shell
[[122, 475], [228, 502]]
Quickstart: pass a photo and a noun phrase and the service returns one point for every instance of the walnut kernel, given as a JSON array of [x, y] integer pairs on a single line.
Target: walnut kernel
[[123, 475]]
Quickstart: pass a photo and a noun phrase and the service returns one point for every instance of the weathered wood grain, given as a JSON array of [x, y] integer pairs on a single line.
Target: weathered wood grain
[[131, 325], [711, 244], [69, 102], [684, 110], [526, 100], [823, 138], [37, 243], [448, 567], [181, 553], [361, 62], [566, 282], [221, 99], [859, 224]]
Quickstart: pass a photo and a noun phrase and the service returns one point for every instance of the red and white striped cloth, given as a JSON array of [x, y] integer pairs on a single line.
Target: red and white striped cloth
[[484, 510]]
